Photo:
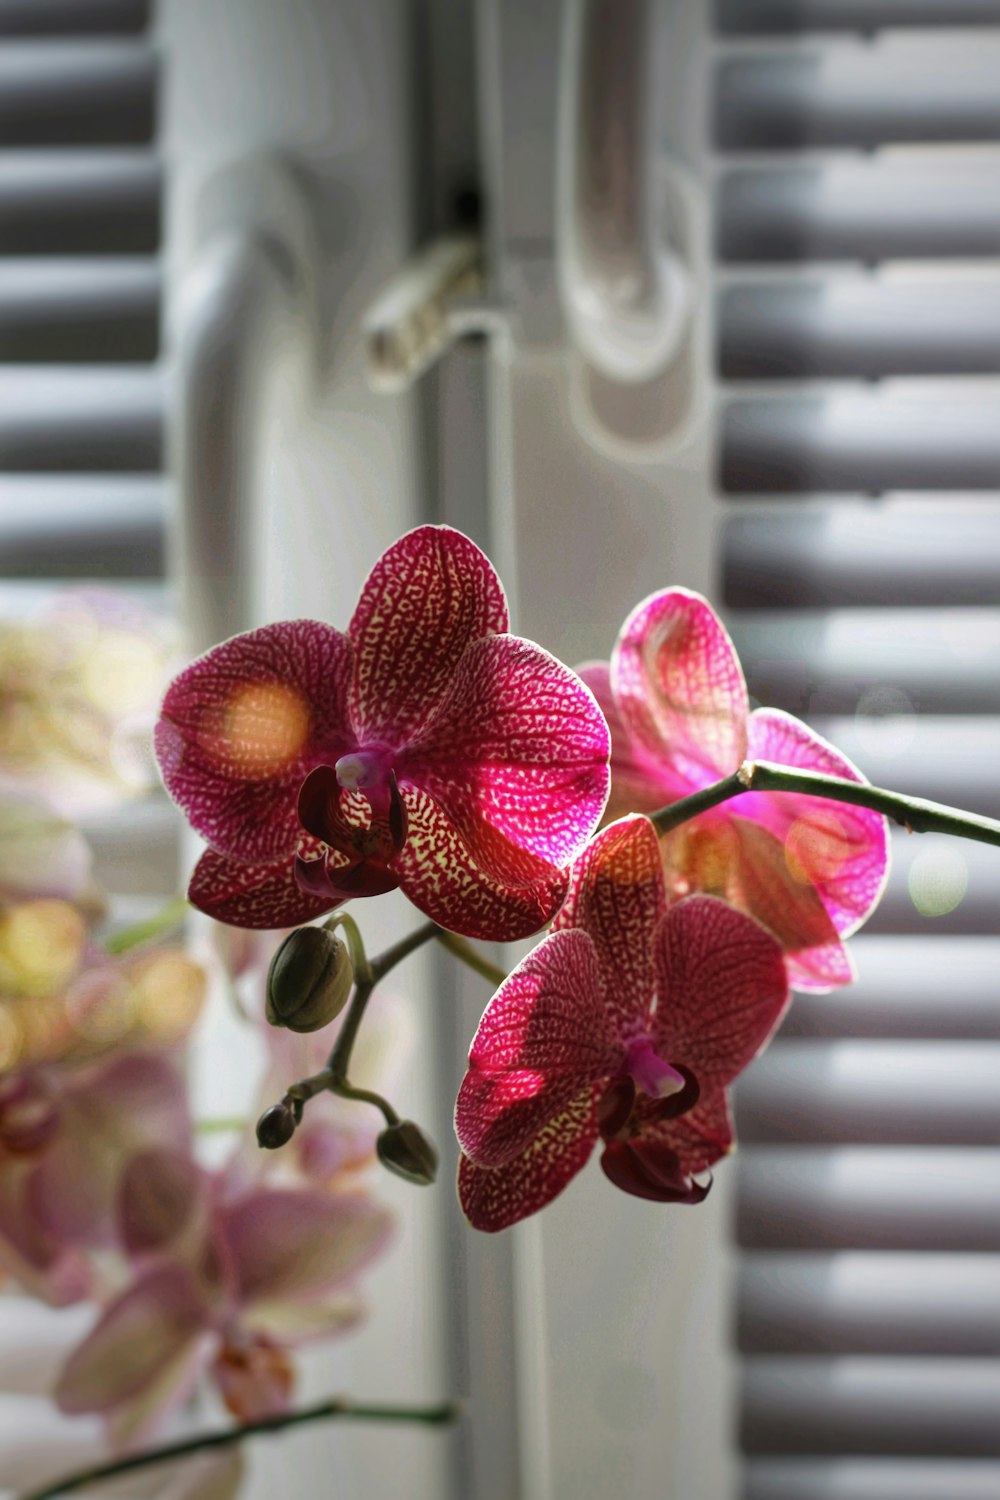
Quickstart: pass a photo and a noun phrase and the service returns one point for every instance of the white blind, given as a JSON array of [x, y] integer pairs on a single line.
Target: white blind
[[860, 449]]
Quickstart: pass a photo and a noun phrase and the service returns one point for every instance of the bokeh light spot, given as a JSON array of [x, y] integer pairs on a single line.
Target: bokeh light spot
[[266, 725], [939, 879]]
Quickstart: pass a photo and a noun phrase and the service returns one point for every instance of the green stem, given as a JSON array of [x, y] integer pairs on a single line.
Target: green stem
[[468, 955], [150, 928], [915, 814], [377, 968], [339, 1406]]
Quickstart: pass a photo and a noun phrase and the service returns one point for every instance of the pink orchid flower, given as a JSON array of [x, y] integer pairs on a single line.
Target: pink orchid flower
[[676, 701], [228, 1277], [625, 1024], [65, 1138], [424, 748]]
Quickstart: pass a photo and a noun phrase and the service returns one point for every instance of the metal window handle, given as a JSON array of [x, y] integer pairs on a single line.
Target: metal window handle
[[625, 294], [251, 285]]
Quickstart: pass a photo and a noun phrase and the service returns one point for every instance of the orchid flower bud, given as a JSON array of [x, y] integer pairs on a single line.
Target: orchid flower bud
[[405, 1150], [276, 1127], [309, 980]]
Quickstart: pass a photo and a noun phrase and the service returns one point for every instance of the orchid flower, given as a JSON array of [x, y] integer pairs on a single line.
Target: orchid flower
[[65, 1138], [625, 1025], [226, 1279], [676, 701], [424, 748]]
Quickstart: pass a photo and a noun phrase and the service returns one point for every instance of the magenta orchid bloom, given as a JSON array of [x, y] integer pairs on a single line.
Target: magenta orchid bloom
[[227, 1278], [676, 701], [65, 1138], [424, 748], [625, 1024]]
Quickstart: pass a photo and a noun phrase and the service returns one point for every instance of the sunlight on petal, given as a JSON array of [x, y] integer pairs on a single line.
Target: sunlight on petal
[[266, 724], [817, 847]]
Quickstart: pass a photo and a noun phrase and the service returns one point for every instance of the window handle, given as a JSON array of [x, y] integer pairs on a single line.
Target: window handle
[[625, 294]]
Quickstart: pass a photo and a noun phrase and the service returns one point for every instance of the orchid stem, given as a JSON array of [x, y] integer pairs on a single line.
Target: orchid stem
[[338, 1406], [464, 950], [150, 928], [915, 814]]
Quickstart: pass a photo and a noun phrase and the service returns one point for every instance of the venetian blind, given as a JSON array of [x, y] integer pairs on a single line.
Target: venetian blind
[[81, 491], [857, 220]]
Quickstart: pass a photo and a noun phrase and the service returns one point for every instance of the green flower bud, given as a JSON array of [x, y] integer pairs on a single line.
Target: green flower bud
[[405, 1150], [309, 980], [276, 1127]]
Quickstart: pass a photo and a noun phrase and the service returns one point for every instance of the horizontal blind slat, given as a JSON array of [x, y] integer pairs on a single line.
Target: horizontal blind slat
[[908, 987], [25, 18], [859, 328], [860, 96], [83, 527], [946, 205], [866, 1197], [871, 1479], [939, 1407], [79, 311], [91, 94], [754, 17], [892, 1093], [94, 203], [863, 440], [876, 1303], [812, 662], [61, 420]]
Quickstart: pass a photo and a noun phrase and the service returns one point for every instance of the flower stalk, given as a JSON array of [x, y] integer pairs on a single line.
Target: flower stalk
[[915, 814], [337, 1406]]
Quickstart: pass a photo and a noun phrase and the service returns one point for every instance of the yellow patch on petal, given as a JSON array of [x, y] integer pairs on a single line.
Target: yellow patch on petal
[[264, 727], [817, 847]]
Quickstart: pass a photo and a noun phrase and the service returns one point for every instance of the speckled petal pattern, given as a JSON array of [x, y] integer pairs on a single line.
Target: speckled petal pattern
[[243, 724], [520, 744], [680, 687], [544, 1038], [428, 597], [721, 989], [616, 896], [442, 875], [493, 1198], [262, 896]]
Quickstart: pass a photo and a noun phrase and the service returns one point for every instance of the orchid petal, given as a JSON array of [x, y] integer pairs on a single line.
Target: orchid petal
[[699, 1139], [493, 1198], [441, 873], [289, 1244], [648, 1168], [424, 602], [320, 1317], [640, 781], [136, 1100], [842, 850], [241, 727], [721, 987], [160, 1193], [545, 1037], [616, 896], [520, 744], [680, 687], [142, 1333], [264, 896]]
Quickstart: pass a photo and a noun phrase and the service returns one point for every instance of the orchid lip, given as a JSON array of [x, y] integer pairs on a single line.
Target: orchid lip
[[360, 770], [650, 1072]]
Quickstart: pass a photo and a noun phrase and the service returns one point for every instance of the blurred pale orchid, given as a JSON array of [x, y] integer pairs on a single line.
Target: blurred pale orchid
[[78, 692], [42, 854], [66, 1136], [676, 701], [227, 1277], [424, 748]]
